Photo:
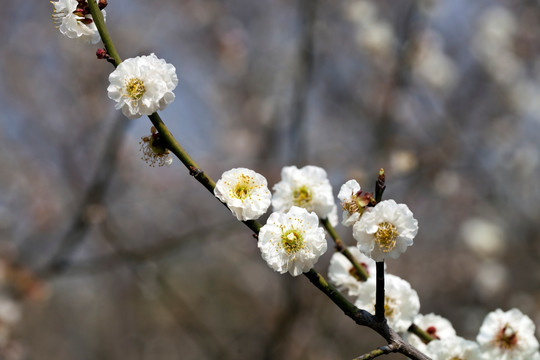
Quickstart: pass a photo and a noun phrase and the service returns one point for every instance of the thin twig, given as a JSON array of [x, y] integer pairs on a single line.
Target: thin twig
[[171, 300], [162, 248], [423, 335], [383, 350], [364, 318], [98, 19], [359, 269]]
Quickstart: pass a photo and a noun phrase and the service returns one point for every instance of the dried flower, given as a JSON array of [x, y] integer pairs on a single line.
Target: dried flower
[[154, 150]]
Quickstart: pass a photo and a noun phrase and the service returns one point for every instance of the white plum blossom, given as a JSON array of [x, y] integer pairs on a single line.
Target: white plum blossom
[[453, 348], [73, 23], [353, 202], [308, 188], [386, 230], [435, 325], [401, 303], [292, 241], [142, 85], [507, 336], [342, 273], [245, 192]]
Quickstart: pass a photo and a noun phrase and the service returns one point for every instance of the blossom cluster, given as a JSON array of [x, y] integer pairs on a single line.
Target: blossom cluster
[[292, 241], [382, 231], [503, 335], [140, 85]]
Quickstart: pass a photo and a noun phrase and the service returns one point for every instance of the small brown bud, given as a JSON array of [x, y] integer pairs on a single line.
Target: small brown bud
[[102, 54]]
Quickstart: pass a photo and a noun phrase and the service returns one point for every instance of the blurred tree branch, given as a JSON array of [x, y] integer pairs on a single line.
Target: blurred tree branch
[[94, 196], [172, 301], [384, 126], [163, 247], [307, 12]]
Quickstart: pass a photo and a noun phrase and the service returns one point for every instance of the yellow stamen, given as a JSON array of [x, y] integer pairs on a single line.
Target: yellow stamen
[[135, 88], [292, 241], [244, 187], [386, 236], [302, 196]]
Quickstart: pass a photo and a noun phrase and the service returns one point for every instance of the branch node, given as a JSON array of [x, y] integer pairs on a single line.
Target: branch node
[[193, 171]]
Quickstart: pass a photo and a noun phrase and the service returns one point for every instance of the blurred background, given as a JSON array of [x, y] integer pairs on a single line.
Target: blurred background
[[105, 257]]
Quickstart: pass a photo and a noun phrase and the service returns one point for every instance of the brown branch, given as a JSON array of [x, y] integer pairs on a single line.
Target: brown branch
[[307, 12], [162, 248], [364, 318], [171, 300], [340, 247], [94, 195]]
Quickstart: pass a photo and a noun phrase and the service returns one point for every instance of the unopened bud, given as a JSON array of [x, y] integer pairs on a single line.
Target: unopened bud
[[102, 54], [380, 185]]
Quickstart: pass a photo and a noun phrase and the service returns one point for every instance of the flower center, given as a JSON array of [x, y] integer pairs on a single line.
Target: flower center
[[243, 187], [292, 241], [241, 191], [357, 202], [506, 338], [386, 236], [456, 358], [351, 206], [302, 196], [135, 88]]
